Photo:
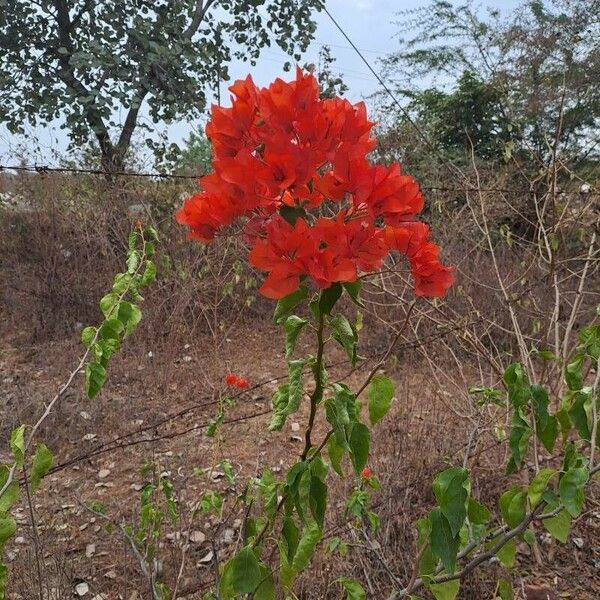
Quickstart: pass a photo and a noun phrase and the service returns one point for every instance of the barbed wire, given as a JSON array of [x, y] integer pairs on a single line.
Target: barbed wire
[[41, 169]]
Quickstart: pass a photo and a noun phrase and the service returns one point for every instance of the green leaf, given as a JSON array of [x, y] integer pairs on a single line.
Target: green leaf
[[558, 526], [443, 544], [293, 326], [287, 304], [329, 297], [266, 589], [241, 574], [507, 554], [449, 488], [111, 329], [478, 514], [570, 489], [354, 591], [518, 440], [353, 288], [87, 336], [540, 402], [504, 590], [513, 506], [149, 274], [8, 527], [345, 335], [517, 384], [130, 316], [43, 460], [380, 393], [291, 537], [318, 499], [445, 591], [538, 485], [311, 535], [359, 446], [133, 260], [336, 454], [121, 283], [549, 434], [11, 493], [107, 303], [17, 445], [574, 372], [95, 376], [580, 413]]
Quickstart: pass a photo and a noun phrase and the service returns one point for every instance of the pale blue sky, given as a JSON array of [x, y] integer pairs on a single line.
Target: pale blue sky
[[369, 23]]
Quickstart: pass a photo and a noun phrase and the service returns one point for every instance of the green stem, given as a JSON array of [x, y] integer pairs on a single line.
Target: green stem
[[317, 394]]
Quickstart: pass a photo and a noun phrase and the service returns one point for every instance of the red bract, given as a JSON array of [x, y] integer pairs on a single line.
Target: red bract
[[366, 473], [242, 383], [231, 379], [281, 156]]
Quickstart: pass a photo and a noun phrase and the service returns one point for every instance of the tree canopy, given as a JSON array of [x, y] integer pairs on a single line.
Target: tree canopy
[[502, 80], [96, 63]]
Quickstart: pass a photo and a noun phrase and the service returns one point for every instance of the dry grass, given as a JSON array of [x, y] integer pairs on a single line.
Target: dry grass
[[204, 318]]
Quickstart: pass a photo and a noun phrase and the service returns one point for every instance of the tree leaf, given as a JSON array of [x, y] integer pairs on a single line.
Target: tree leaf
[[570, 489], [353, 288], [443, 544], [380, 393], [286, 305], [538, 485], [359, 446], [43, 460], [504, 590], [354, 591], [559, 526], [318, 499], [445, 591], [345, 335], [329, 297], [336, 454], [95, 376], [130, 316], [450, 491], [478, 514], [87, 336], [241, 574], [513, 506], [506, 555], [293, 326], [8, 527], [17, 445]]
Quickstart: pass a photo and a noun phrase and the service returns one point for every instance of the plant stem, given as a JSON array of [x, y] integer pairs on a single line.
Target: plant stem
[[317, 394]]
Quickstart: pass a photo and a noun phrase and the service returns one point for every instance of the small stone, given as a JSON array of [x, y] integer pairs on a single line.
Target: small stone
[[295, 426], [187, 358], [578, 542], [295, 438], [81, 589], [110, 574], [228, 536], [207, 558], [103, 473], [90, 550], [85, 415], [84, 526], [197, 537], [88, 437], [237, 524], [136, 487], [19, 540]]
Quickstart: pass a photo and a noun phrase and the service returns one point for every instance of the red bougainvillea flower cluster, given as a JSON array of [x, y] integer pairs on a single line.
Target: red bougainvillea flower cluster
[[295, 167], [232, 380]]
